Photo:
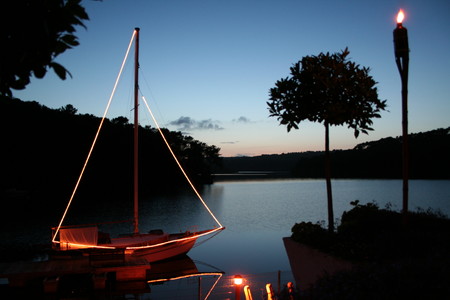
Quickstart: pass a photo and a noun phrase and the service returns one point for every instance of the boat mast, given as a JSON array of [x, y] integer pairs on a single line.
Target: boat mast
[[135, 133]]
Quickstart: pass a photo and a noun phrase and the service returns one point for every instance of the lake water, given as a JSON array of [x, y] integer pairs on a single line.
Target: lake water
[[257, 214]]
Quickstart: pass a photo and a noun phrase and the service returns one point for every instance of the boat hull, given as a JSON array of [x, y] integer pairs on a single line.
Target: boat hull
[[163, 252], [152, 247]]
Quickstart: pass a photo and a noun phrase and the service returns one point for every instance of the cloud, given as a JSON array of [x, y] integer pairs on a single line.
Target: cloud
[[242, 119], [184, 122], [208, 124], [187, 124], [230, 142]]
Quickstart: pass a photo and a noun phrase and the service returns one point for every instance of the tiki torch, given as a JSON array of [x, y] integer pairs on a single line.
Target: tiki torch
[[401, 48]]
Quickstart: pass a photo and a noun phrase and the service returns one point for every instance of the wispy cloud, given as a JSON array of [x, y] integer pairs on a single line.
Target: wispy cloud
[[188, 124], [242, 119], [230, 142]]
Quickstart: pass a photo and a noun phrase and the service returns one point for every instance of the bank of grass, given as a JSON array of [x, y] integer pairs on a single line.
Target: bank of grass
[[393, 259]]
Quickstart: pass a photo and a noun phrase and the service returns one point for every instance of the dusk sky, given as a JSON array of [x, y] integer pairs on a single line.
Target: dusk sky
[[207, 66]]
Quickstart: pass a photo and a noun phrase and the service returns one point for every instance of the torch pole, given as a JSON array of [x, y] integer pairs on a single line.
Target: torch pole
[[402, 59], [405, 146]]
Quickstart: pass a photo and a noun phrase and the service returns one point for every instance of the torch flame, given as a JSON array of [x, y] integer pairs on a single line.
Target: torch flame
[[400, 16]]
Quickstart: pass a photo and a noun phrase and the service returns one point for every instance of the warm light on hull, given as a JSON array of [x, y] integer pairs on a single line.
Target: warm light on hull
[[144, 245], [165, 251]]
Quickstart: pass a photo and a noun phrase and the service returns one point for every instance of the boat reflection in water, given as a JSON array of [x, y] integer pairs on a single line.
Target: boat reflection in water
[[93, 276], [182, 277]]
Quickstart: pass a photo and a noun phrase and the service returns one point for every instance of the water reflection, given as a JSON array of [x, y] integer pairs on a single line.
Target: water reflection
[[182, 278], [185, 279]]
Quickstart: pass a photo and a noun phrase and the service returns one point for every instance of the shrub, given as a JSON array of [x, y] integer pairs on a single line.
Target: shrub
[[395, 261], [368, 233], [364, 221], [312, 234]]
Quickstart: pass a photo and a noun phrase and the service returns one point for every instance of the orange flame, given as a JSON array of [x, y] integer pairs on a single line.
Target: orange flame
[[400, 16]]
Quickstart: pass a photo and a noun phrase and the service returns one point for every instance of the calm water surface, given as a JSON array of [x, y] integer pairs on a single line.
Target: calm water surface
[[257, 215]]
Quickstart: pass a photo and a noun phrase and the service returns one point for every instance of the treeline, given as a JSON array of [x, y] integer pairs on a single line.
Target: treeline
[[429, 159], [268, 165], [43, 151]]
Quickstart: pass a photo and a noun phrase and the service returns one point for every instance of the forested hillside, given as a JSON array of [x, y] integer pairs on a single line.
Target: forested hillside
[[429, 159], [43, 151]]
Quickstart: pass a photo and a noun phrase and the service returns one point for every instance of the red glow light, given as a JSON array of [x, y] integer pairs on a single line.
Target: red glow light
[[238, 280]]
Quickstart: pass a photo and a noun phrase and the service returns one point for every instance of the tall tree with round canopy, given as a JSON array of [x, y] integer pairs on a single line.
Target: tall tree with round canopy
[[328, 89]]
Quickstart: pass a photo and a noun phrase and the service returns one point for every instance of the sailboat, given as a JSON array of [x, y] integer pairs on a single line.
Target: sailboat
[[155, 245]]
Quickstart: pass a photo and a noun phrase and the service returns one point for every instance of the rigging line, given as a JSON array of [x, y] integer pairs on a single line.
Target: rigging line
[[213, 286], [185, 276], [96, 137], [204, 241], [208, 265], [152, 96], [179, 165]]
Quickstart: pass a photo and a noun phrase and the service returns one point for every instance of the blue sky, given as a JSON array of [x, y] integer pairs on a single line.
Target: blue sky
[[207, 66]]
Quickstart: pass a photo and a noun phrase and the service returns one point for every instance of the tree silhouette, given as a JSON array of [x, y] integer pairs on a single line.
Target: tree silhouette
[[120, 121], [328, 89], [32, 35], [69, 109]]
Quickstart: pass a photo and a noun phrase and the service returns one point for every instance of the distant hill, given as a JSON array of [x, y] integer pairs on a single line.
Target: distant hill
[[43, 151], [429, 159]]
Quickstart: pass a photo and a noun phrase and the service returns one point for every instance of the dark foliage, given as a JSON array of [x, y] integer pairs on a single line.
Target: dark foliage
[[392, 260], [328, 89], [312, 234], [32, 34], [406, 279], [368, 233], [43, 151]]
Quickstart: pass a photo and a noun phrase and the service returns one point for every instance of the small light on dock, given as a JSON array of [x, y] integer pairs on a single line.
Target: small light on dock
[[238, 280]]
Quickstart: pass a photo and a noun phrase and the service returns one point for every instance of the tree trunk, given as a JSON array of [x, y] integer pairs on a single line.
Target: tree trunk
[[328, 178]]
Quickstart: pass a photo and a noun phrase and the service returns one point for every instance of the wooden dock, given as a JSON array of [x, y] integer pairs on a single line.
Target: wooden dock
[[97, 270]]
